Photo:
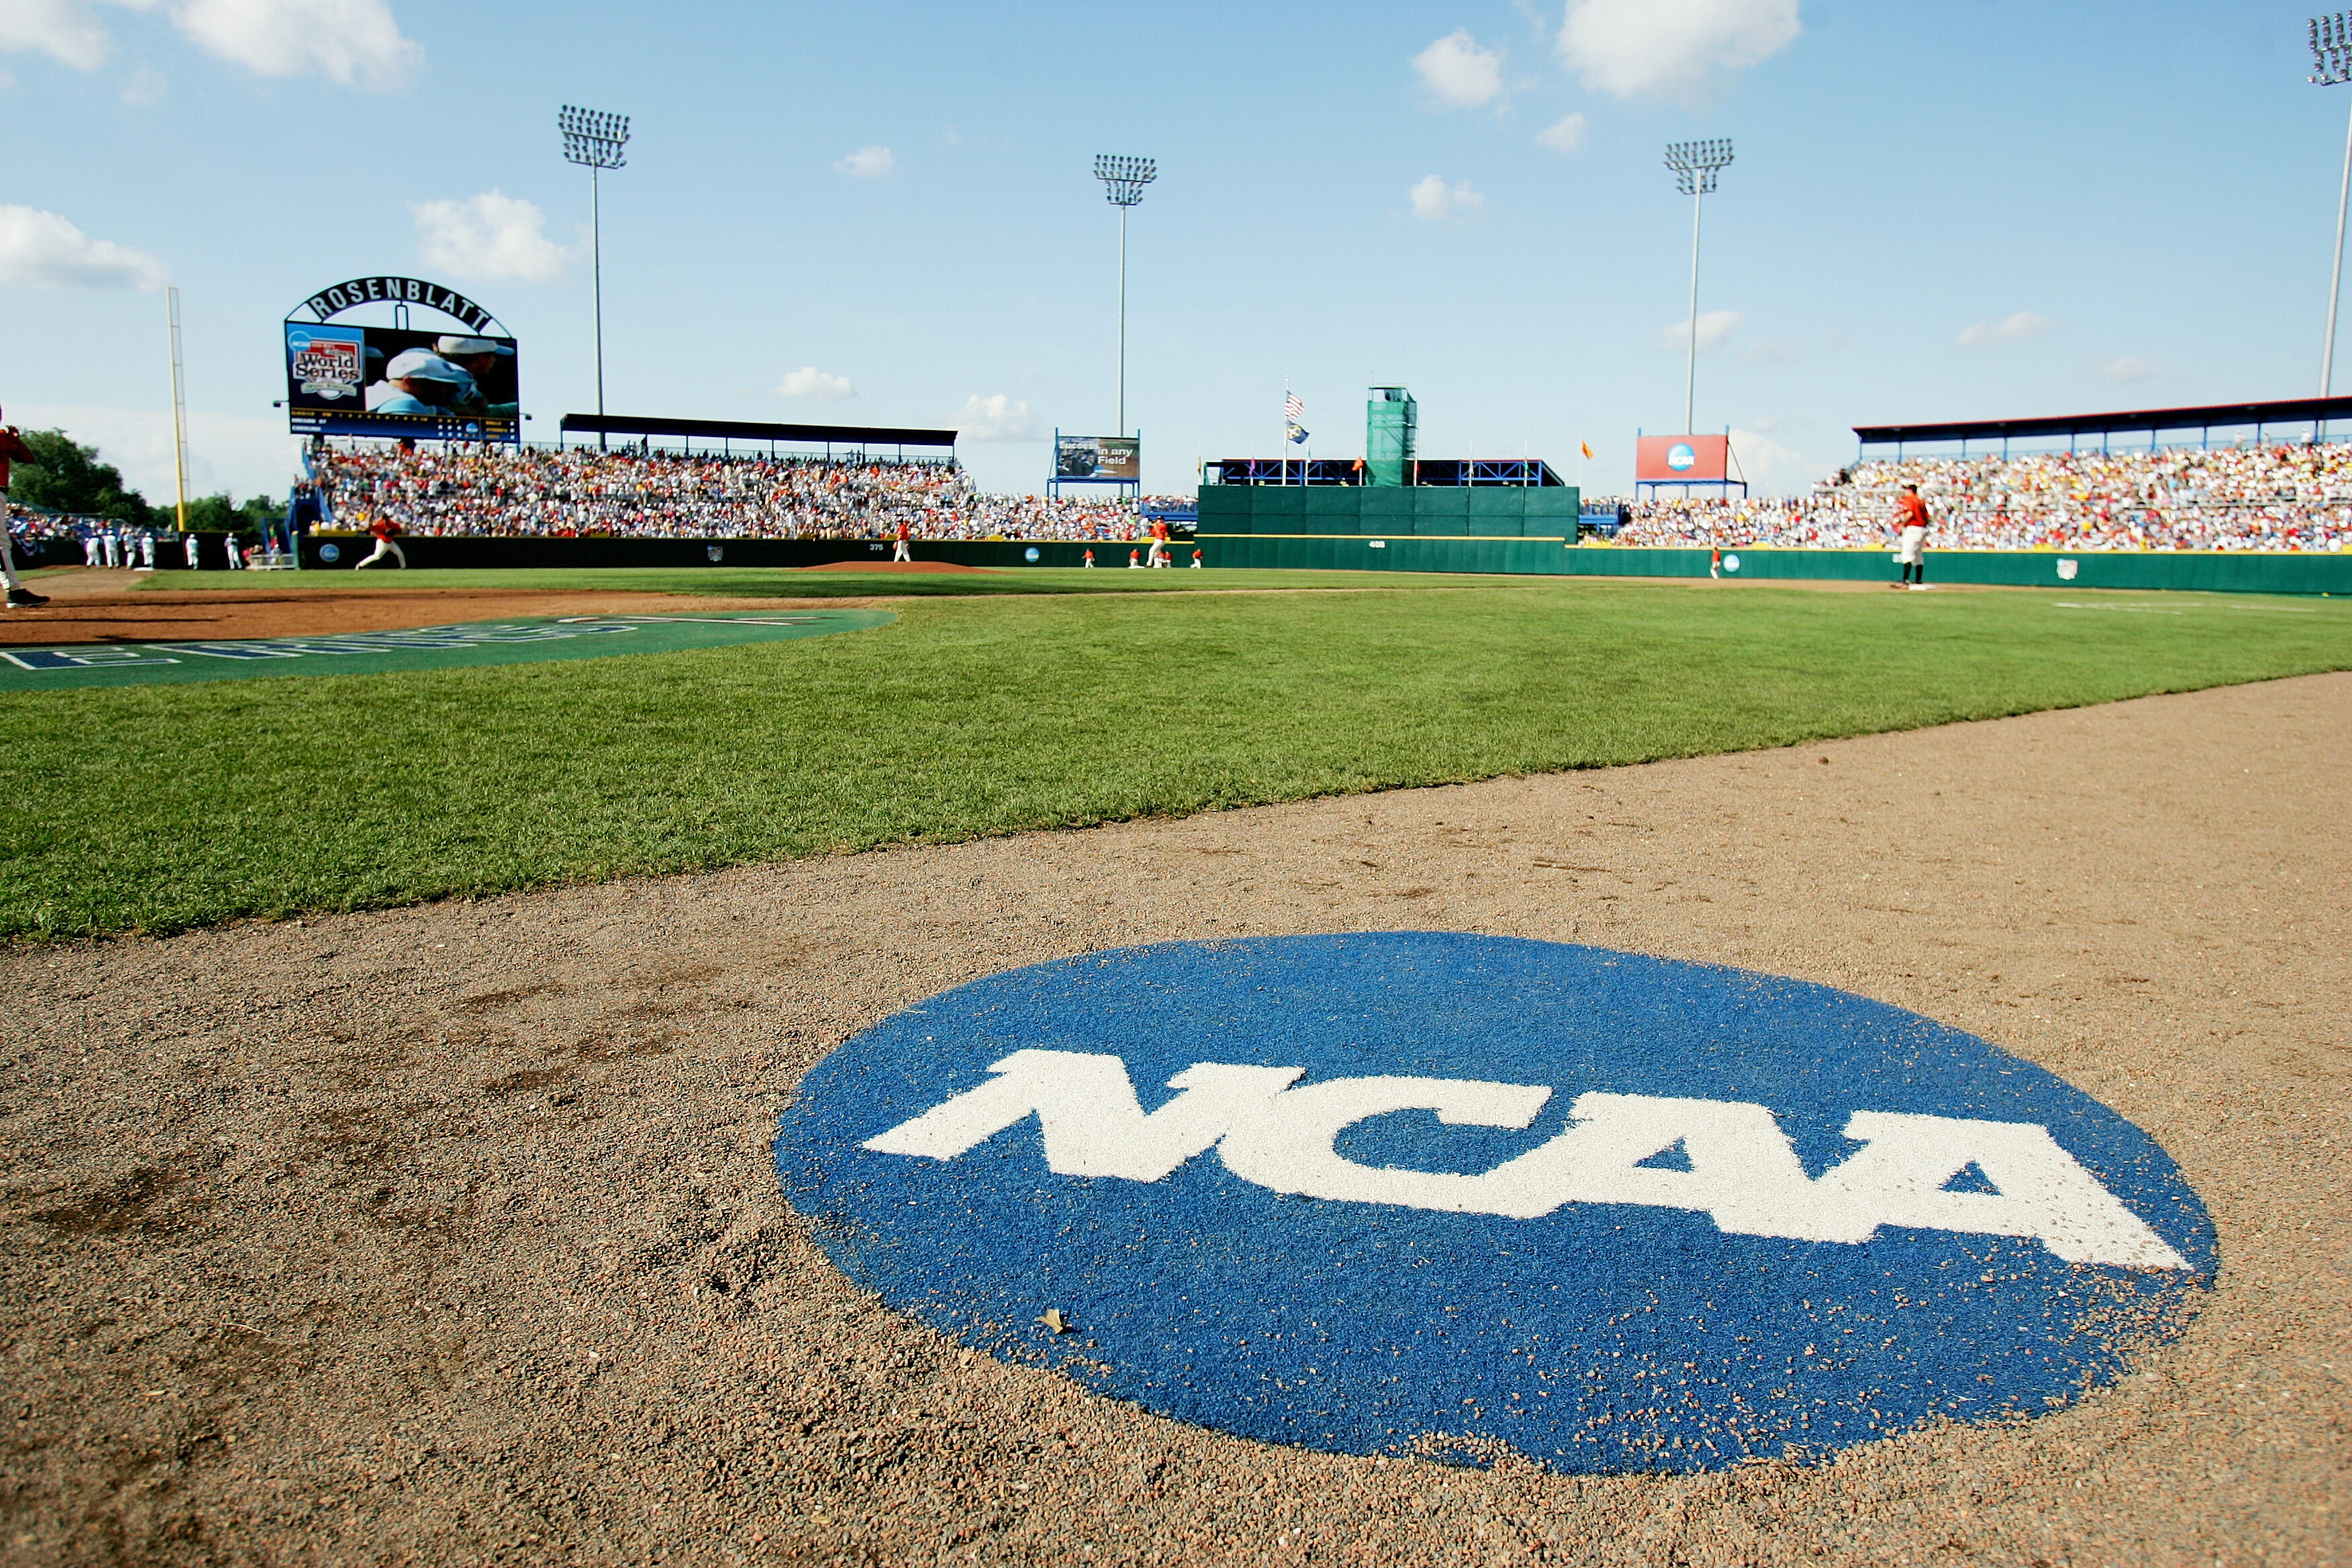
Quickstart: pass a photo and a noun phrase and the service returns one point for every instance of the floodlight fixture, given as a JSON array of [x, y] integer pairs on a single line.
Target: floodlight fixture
[[2331, 60], [1123, 178], [1123, 181], [596, 141], [2331, 49], [592, 138], [1696, 163], [1696, 166]]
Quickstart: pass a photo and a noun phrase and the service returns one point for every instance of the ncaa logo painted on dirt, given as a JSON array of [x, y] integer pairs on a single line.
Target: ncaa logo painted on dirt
[[1439, 1192]]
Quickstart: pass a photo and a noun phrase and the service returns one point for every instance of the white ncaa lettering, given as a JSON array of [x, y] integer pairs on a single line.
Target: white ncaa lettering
[[2043, 1191], [1087, 1108], [1288, 1144], [1743, 1171]]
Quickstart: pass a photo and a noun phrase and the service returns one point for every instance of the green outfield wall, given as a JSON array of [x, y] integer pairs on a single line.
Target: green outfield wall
[[1505, 529]]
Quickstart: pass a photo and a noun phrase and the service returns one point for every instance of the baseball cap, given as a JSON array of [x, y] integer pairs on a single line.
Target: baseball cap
[[470, 346], [423, 364]]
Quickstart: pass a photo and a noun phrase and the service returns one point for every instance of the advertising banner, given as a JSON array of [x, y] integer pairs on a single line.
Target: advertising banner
[[1667, 459], [395, 380], [1098, 459]]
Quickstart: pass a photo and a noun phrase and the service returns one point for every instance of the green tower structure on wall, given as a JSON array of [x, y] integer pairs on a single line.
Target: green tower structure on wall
[[1391, 422]]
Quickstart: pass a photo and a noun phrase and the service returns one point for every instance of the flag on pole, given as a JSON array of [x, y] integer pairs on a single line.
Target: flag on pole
[[1297, 431], [1587, 446], [1292, 407]]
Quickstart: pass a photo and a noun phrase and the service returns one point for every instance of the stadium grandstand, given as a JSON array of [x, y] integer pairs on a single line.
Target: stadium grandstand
[[2256, 493], [749, 482]]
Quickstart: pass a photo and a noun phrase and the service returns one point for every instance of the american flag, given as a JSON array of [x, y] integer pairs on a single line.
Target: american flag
[[1291, 408]]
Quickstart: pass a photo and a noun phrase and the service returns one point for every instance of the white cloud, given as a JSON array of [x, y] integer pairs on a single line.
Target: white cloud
[[815, 384], [867, 163], [1773, 350], [355, 43], [1433, 201], [1713, 326], [143, 87], [2023, 324], [997, 418], [1671, 48], [46, 251], [1565, 134], [490, 236], [1768, 467], [1458, 73], [61, 29], [2132, 367]]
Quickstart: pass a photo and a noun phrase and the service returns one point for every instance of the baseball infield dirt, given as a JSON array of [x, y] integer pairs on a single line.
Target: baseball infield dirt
[[453, 1234], [103, 607]]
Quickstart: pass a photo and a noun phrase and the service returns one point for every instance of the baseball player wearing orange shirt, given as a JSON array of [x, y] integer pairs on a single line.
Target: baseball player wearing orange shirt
[[1911, 528]]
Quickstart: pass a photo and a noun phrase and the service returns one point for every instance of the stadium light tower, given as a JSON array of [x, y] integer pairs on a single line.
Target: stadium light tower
[[595, 140], [1696, 166], [2331, 57], [1123, 181]]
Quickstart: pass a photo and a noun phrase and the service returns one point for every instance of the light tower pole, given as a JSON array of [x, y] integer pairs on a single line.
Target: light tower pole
[[1123, 181], [594, 141], [2331, 57], [1696, 166]]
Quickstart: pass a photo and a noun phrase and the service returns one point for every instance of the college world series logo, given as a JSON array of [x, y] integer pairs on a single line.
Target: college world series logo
[[1417, 1191]]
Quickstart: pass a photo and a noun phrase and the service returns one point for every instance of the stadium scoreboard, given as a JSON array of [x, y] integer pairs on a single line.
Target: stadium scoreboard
[[344, 379]]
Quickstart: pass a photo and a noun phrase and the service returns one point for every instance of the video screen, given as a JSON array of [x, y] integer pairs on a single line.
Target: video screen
[[398, 381]]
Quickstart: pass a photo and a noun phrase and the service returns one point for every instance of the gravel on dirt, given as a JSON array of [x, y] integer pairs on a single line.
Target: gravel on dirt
[[453, 1234]]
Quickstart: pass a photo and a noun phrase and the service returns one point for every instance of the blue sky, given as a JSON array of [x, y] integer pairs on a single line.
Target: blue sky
[[1974, 208]]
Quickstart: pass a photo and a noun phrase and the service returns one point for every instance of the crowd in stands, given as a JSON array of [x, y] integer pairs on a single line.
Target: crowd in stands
[[2294, 497], [580, 490], [2251, 497]]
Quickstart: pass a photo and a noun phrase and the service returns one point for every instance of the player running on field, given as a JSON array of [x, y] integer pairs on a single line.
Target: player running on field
[[384, 528]]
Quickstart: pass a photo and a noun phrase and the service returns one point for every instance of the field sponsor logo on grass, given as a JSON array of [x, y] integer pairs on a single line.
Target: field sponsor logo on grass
[[1445, 1194], [421, 647]]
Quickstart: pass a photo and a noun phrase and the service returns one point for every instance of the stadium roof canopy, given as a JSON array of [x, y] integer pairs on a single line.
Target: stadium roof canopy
[[859, 437], [2210, 416]]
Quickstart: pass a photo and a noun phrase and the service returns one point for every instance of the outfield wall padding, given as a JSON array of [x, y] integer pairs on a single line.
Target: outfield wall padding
[[2215, 573], [1447, 543], [474, 554]]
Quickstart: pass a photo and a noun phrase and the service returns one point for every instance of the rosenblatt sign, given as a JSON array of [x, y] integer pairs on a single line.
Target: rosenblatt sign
[[328, 303]]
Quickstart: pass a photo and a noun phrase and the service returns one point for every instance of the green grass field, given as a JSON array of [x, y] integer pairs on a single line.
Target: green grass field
[[160, 807]]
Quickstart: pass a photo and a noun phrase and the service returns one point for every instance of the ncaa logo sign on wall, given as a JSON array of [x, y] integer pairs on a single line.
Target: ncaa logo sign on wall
[[1679, 456], [1441, 1193]]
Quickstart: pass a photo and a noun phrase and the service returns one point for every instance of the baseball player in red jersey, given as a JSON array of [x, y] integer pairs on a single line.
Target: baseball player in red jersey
[[902, 552], [1911, 528], [13, 450], [384, 528]]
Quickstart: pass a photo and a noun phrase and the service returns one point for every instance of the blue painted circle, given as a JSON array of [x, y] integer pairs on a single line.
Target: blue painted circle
[[1602, 1335], [1680, 456], [1030, 553], [331, 552]]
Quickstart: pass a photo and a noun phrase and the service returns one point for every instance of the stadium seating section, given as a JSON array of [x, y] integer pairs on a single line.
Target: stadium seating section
[[575, 492], [2253, 498]]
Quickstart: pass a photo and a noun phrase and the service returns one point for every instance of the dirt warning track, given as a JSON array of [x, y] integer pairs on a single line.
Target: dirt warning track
[[454, 1235]]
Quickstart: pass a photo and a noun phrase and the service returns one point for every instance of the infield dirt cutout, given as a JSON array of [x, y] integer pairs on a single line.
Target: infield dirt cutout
[[454, 1234]]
